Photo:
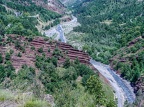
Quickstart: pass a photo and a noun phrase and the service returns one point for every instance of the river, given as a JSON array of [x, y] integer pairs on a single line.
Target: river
[[122, 88]]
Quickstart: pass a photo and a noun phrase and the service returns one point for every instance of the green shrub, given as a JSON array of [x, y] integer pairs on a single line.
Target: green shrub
[[67, 63], [19, 54], [2, 98], [40, 50], [7, 57], [111, 104], [11, 51], [54, 61], [32, 48], [48, 49], [1, 58], [30, 39], [57, 52]]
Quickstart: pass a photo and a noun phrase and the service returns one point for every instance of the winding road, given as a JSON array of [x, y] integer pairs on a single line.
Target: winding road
[[61, 33]]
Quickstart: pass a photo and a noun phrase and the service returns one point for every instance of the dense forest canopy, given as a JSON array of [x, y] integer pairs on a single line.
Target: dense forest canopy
[[111, 25]]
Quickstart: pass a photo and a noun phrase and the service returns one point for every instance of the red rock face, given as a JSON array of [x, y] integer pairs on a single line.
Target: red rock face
[[28, 57], [53, 5], [139, 85]]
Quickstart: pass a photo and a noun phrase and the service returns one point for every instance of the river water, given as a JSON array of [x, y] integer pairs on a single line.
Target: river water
[[122, 88]]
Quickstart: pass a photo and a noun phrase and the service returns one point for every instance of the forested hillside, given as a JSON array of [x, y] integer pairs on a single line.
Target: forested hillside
[[113, 33], [130, 59], [36, 71], [110, 31], [16, 18], [42, 66], [109, 25]]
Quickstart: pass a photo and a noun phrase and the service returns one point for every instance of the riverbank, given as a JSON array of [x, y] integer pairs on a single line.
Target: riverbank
[[123, 90]]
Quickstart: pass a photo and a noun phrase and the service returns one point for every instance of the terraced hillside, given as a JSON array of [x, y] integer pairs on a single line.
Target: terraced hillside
[[43, 66], [129, 60], [24, 52]]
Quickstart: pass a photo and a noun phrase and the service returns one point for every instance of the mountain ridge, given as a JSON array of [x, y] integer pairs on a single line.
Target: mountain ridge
[[53, 5], [109, 30]]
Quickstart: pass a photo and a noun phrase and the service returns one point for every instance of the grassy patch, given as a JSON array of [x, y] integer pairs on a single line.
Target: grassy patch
[[107, 89], [36, 103], [54, 36], [22, 99], [75, 39], [108, 22], [6, 95], [76, 97], [85, 99]]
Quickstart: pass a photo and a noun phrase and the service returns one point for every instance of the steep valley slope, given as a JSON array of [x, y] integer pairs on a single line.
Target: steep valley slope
[[36, 71], [44, 70], [57, 74], [112, 32]]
